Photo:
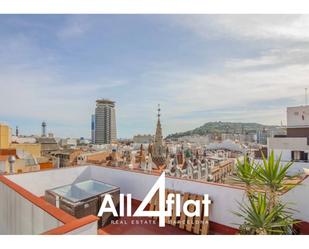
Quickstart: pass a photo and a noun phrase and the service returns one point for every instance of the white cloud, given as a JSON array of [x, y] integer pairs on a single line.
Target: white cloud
[[290, 27], [35, 93], [251, 88], [294, 55], [242, 91]]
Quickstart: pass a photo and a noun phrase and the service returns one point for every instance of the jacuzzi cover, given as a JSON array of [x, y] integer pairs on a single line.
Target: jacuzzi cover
[[83, 190]]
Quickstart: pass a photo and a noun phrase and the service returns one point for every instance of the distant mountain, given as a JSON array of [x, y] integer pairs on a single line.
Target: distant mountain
[[223, 127]]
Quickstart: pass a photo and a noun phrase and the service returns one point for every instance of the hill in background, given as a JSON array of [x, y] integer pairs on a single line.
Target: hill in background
[[224, 127]]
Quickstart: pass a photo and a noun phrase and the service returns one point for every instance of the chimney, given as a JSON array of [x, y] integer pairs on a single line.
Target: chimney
[[11, 160]]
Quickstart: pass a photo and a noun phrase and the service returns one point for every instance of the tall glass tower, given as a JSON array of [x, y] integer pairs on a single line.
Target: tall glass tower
[[105, 122], [93, 128]]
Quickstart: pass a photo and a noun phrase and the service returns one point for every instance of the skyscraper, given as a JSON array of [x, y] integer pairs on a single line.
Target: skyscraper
[[105, 122]]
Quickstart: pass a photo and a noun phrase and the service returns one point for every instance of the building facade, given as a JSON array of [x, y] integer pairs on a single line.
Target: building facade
[[105, 122], [5, 136], [294, 146], [143, 139]]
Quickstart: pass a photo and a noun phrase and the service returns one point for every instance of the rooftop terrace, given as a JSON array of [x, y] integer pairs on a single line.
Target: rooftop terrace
[[24, 211]]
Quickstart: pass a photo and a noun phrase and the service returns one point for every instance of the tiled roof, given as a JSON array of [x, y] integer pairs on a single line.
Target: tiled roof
[[4, 157], [8, 152]]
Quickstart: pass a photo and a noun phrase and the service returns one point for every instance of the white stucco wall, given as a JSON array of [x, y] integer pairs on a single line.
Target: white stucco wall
[[298, 200], [298, 116], [38, 182], [296, 168], [20, 216], [285, 154], [89, 229], [224, 198], [287, 143]]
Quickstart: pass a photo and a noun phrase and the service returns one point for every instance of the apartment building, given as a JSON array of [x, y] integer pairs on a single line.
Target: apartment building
[[294, 146], [143, 139], [5, 135]]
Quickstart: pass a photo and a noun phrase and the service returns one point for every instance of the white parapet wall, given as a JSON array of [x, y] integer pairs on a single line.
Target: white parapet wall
[[20, 216], [296, 168], [38, 182], [138, 184], [224, 198], [89, 229], [24, 212], [297, 198]]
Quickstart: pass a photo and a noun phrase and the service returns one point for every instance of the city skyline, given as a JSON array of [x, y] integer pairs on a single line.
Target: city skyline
[[200, 68]]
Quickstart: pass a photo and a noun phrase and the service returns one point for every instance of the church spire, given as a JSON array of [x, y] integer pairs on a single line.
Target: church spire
[[158, 151], [158, 137]]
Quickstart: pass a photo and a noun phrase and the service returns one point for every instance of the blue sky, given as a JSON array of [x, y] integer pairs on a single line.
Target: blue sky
[[200, 68]]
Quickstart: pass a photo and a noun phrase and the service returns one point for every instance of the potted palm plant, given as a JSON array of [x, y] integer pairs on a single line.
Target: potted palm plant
[[264, 213]]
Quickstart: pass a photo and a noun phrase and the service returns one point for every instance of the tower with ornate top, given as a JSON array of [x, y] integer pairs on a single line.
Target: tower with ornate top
[[158, 151]]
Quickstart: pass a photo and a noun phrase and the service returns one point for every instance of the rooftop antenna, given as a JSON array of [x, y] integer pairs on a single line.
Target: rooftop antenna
[[306, 97]]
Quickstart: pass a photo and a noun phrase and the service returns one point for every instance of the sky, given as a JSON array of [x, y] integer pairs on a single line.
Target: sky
[[199, 68]]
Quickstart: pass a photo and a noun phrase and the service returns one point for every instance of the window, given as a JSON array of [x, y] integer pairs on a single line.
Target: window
[[299, 156], [295, 155]]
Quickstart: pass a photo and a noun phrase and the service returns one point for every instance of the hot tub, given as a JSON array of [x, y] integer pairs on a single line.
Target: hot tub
[[83, 198]]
